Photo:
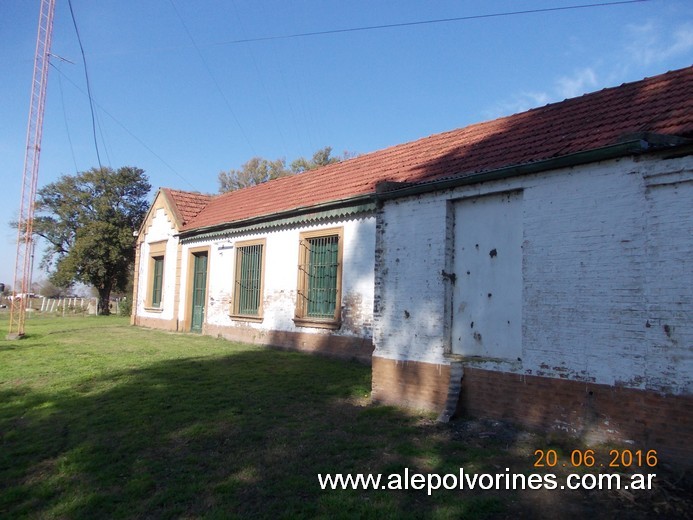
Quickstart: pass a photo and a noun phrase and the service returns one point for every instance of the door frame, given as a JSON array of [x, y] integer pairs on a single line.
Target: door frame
[[190, 279], [453, 264]]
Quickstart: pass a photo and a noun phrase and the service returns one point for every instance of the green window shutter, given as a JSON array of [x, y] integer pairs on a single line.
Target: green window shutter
[[321, 289], [157, 281], [248, 280]]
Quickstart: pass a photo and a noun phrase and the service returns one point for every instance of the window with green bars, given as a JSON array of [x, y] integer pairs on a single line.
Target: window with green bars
[[320, 276], [157, 280], [248, 280]]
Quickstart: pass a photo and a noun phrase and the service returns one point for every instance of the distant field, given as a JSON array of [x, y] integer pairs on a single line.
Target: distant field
[[102, 420]]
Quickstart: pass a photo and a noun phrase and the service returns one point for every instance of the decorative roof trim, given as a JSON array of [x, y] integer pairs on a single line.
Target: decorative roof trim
[[167, 205], [330, 211]]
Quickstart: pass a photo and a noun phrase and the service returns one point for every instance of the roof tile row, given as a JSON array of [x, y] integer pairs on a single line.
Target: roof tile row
[[662, 104]]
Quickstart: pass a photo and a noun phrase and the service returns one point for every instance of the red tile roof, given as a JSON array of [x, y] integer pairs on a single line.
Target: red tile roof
[[186, 204], [661, 104]]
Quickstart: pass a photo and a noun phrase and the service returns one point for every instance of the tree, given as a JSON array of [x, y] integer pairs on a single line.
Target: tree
[[320, 158], [88, 221], [258, 170]]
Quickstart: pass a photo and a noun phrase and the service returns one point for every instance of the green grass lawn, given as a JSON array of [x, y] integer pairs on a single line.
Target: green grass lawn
[[99, 419]]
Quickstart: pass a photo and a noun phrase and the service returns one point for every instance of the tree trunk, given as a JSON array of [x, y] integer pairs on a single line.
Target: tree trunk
[[104, 307]]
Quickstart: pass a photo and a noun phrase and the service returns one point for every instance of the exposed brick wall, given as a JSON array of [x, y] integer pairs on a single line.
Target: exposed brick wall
[[592, 412], [343, 347], [327, 344], [607, 271], [410, 383]]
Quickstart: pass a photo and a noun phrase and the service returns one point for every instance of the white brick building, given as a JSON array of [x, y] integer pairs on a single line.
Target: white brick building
[[247, 282], [537, 267]]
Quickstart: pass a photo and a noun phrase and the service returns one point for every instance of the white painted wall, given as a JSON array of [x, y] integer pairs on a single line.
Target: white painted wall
[[607, 264], [487, 294], [161, 229], [410, 305], [281, 277]]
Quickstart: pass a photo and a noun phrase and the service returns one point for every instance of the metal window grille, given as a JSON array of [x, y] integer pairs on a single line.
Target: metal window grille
[[322, 262], [248, 280], [157, 280]]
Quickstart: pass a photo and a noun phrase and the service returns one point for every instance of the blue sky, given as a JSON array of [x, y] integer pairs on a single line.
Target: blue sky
[[176, 96]]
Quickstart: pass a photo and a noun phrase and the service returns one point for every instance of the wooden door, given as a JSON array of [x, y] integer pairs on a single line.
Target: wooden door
[[199, 291]]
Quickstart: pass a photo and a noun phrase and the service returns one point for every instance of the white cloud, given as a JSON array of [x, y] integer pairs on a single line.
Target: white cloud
[[682, 40], [645, 47], [651, 43], [581, 82], [584, 80], [520, 103]]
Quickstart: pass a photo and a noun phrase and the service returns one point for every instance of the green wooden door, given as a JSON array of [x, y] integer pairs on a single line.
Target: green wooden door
[[199, 292]]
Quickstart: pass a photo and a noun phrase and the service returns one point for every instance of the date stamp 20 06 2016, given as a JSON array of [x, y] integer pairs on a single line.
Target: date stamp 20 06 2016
[[588, 458]]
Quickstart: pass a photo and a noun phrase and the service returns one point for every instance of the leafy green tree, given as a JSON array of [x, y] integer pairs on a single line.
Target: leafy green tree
[[258, 170], [88, 221], [322, 157]]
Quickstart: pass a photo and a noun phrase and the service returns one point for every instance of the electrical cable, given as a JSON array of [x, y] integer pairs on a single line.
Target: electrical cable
[[163, 161], [426, 22], [86, 75], [262, 82], [67, 127], [214, 79]]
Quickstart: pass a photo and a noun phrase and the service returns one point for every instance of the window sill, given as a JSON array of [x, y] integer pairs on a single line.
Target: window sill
[[240, 317], [318, 323], [154, 309]]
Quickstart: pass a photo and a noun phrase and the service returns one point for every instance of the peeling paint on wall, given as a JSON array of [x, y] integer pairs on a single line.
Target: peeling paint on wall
[[606, 273]]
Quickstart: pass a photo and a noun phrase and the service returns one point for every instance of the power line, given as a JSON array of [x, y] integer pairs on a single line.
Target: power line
[[163, 161], [214, 79], [86, 75], [260, 77], [427, 22], [62, 102]]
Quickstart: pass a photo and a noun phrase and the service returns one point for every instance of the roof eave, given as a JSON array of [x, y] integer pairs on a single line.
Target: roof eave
[[635, 146], [269, 217], [178, 218]]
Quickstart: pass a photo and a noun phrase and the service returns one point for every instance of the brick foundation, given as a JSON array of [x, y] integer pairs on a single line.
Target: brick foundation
[[592, 412], [410, 383], [343, 347]]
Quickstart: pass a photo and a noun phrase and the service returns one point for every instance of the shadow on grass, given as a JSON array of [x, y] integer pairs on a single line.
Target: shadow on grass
[[245, 434]]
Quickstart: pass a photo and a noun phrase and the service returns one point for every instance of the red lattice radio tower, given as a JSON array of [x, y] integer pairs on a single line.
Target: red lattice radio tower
[[25, 222]]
